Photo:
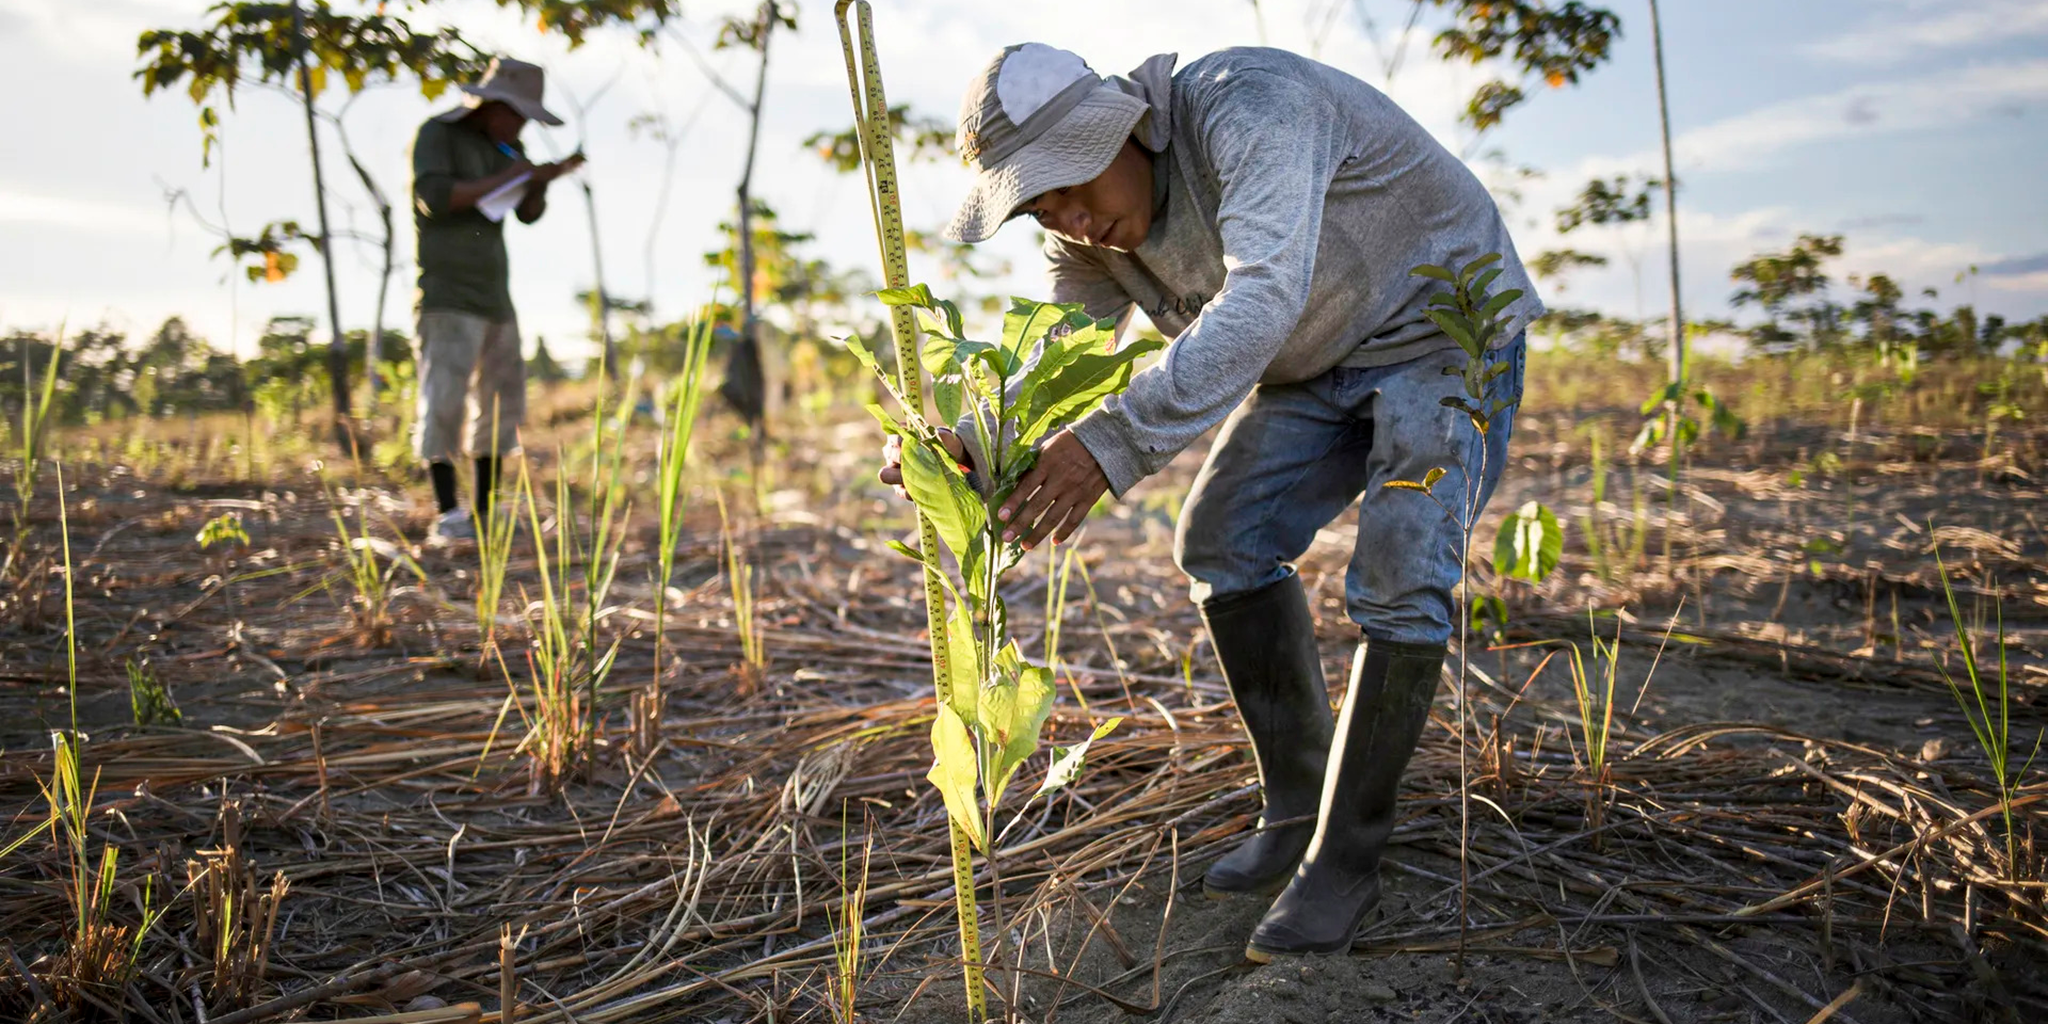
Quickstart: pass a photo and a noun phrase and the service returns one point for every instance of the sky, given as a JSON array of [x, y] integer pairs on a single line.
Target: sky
[[1916, 128]]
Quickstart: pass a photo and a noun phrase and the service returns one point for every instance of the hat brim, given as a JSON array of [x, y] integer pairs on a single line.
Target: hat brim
[[478, 96], [1074, 151]]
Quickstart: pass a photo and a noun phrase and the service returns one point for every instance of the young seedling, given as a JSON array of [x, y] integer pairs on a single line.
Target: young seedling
[[494, 532], [564, 664], [1527, 548], [369, 565], [848, 936], [679, 413], [98, 957], [739, 575], [1989, 712], [1053, 365], [150, 699], [28, 443], [1473, 318], [224, 530]]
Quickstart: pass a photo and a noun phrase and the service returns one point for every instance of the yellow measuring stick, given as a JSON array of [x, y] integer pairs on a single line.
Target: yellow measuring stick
[[878, 158]]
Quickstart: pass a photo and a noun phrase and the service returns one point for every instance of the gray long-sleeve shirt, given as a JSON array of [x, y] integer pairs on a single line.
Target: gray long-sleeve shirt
[[1296, 200]]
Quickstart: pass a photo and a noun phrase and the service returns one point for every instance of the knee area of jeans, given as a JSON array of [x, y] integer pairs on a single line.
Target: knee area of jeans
[[1215, 600]]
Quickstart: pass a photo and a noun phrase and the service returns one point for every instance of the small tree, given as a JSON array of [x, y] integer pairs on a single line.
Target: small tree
[[746, 386], [1790, 286], [296, 49], [1551, 43], [300, 47], [1614, 203]]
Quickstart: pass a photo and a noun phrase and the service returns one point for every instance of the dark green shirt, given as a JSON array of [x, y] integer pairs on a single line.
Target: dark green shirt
[[462, 262]]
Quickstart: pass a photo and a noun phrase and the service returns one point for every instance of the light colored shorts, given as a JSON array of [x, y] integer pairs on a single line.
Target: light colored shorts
[[471, 376]]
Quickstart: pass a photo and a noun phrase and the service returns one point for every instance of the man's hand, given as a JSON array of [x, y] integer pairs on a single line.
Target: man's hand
[[892, 458], [1057, 493], [548, 172]]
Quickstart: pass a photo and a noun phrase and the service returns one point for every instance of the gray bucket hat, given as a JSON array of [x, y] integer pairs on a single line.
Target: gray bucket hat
[[1036, 119], [515, 83]]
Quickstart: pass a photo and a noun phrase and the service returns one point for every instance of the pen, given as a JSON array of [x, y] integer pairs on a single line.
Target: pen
[[509, 151]]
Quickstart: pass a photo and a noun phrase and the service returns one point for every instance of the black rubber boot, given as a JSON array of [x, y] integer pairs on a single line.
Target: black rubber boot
[[1339, 880], [1267, 644]]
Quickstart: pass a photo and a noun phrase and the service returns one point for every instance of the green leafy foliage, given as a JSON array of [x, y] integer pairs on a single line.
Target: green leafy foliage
[[1656, 428], [929, 138], [1986, 704], [1553, 43], [149, 699], [246, 40], [1529, 544], [1602, 203], [225, 528], [1473, 317], [1053, 365]]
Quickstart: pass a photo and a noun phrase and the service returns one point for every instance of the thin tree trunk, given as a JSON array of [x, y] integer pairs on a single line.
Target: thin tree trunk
[[337, 346], [1674, 465], [375, 355], [1677, 354], [745, 382], [603, 303]]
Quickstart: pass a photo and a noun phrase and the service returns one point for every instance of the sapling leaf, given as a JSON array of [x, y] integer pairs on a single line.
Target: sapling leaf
[[1080, 387], [1057, 350], [909, 295], [964, 651], [1425, 485], [1483, 282], [1650, 436], [907, 551], [954, 773], [1432, 271], [1013, 711], [1474, 267], [949, 397], [939, 355], [1028, 322], [954, 325], [1529, 543], [1067, 762], [943, 495], [1499, 302], [1453, 325], [1668, 393]]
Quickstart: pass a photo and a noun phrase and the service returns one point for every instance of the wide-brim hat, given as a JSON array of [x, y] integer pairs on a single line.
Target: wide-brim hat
[[516, 84], [1036, 119]]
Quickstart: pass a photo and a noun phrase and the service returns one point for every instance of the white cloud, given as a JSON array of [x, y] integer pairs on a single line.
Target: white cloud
[[1940, 99], [1950, 27], [73, 214]]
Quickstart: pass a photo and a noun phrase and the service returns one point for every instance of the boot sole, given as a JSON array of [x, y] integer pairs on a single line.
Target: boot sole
[[1219, 894], [1262, 955]]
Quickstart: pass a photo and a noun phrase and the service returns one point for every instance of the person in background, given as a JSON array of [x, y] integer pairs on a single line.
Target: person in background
[[472, 377]]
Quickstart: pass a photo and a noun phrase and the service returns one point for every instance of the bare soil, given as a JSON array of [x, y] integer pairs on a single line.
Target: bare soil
[[1784, 728]]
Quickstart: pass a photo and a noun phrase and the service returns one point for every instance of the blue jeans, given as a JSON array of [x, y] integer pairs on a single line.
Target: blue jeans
[[1293, 457]]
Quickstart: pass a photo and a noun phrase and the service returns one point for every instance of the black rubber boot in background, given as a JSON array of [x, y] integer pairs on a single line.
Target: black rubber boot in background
[[486, 484], [1267, 644], [1339, 881], [443, 475]]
